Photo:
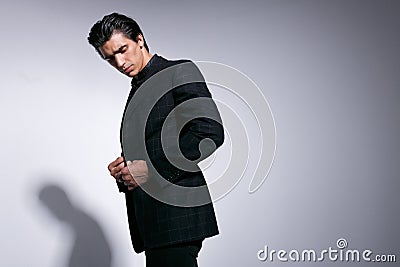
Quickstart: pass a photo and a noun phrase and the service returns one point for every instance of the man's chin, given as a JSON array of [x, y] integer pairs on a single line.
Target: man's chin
[[131, 74]]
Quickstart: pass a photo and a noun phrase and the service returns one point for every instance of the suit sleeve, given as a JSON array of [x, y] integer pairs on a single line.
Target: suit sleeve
[[200, 124]]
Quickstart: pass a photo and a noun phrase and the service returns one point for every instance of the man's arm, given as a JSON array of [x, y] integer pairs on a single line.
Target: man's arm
[[199, 121]]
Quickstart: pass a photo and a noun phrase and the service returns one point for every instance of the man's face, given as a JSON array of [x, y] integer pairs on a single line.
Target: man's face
[[125, 55]]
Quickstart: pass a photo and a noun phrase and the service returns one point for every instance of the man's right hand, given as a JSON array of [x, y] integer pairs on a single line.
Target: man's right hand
[[115, 168]]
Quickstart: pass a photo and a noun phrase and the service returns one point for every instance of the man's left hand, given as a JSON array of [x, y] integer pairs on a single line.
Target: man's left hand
[[135, 173]]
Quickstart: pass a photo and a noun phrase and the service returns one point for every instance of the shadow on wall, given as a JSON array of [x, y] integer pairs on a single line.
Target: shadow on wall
[[90, 246]]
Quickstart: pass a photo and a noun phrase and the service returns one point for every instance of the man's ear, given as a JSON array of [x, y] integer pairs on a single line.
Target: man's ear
[[139, 40]]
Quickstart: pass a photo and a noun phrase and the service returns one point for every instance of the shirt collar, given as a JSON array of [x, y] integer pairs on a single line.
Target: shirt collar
[[145, 72]]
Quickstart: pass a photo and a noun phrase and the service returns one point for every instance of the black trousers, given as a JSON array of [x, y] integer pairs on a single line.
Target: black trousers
[[180, 255]]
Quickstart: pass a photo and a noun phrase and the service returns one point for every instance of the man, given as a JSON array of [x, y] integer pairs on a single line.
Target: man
[[162, 141]]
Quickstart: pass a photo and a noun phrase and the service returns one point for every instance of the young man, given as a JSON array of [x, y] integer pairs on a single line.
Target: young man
[[168, 224]]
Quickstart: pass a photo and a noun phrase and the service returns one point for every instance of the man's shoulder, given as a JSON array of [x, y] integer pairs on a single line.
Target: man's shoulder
[[182, 70], [172, 62]]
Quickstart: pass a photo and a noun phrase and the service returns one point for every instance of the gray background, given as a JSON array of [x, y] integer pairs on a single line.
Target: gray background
[[330, 71]]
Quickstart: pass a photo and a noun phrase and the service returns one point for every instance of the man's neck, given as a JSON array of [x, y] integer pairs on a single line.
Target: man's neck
[[146, 58]]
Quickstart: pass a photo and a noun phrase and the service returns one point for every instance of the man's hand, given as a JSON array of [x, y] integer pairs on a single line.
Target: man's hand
[[115, 168], [135, 173]]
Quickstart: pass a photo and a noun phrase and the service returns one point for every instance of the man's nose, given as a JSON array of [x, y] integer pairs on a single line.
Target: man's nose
[[120, 61]]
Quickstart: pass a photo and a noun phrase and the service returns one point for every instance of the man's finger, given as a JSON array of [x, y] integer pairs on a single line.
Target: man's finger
[[115, 163], [125, 171], [116, 171], [130, 182], [127, 177], [131, 187]]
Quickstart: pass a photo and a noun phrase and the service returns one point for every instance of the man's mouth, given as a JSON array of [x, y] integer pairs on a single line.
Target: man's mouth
[[128, 70]]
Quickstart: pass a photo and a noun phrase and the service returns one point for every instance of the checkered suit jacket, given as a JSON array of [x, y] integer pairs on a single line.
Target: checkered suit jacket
[[154, 223]]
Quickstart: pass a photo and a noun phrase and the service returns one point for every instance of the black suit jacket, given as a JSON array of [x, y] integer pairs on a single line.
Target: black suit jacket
[[152, 222]]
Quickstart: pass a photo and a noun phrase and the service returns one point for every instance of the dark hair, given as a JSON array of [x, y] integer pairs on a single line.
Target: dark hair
[[103, 29]]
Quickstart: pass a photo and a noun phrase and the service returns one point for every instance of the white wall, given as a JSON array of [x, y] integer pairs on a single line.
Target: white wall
[[329, 70]]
